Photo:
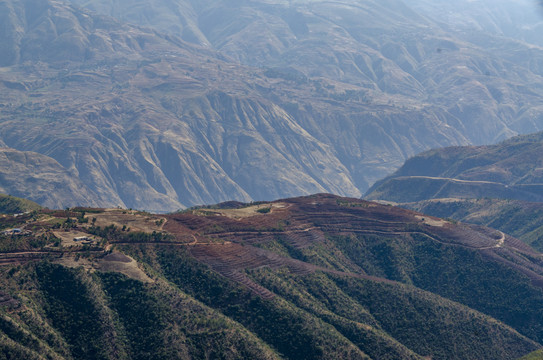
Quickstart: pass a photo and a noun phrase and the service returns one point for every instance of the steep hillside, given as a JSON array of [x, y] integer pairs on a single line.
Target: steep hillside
[[154, 131], [316, 277], [258, 101], [497, 186], [14, 205], [519, 218], [509, 170], [42, 179]]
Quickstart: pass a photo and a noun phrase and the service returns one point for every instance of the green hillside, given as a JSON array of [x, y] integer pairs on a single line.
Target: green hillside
[[499, 186], [14, 205], [521, 219], [318, 277]]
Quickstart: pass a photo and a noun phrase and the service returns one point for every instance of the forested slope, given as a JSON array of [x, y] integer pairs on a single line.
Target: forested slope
[[317, 277]]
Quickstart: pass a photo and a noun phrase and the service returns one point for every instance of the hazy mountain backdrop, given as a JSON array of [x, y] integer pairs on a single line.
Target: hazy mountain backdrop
[[164, 104]]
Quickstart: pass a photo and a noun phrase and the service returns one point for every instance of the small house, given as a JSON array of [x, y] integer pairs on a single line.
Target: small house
[[13, 232], [82, 238]]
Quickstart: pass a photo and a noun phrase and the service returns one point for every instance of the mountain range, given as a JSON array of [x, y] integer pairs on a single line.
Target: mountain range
[[162, 105]]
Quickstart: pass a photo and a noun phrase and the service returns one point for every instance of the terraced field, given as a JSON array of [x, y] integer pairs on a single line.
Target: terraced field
[[231, 245]]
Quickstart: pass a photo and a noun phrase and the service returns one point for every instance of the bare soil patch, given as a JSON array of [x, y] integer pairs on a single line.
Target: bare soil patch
[[134, 220], [245, 212], [432, 221], [117, 257], [115, 262], [67, 237]]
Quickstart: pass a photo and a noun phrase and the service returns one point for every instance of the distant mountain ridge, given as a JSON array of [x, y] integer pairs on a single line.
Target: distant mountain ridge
[[512, 169], [274, 100]]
